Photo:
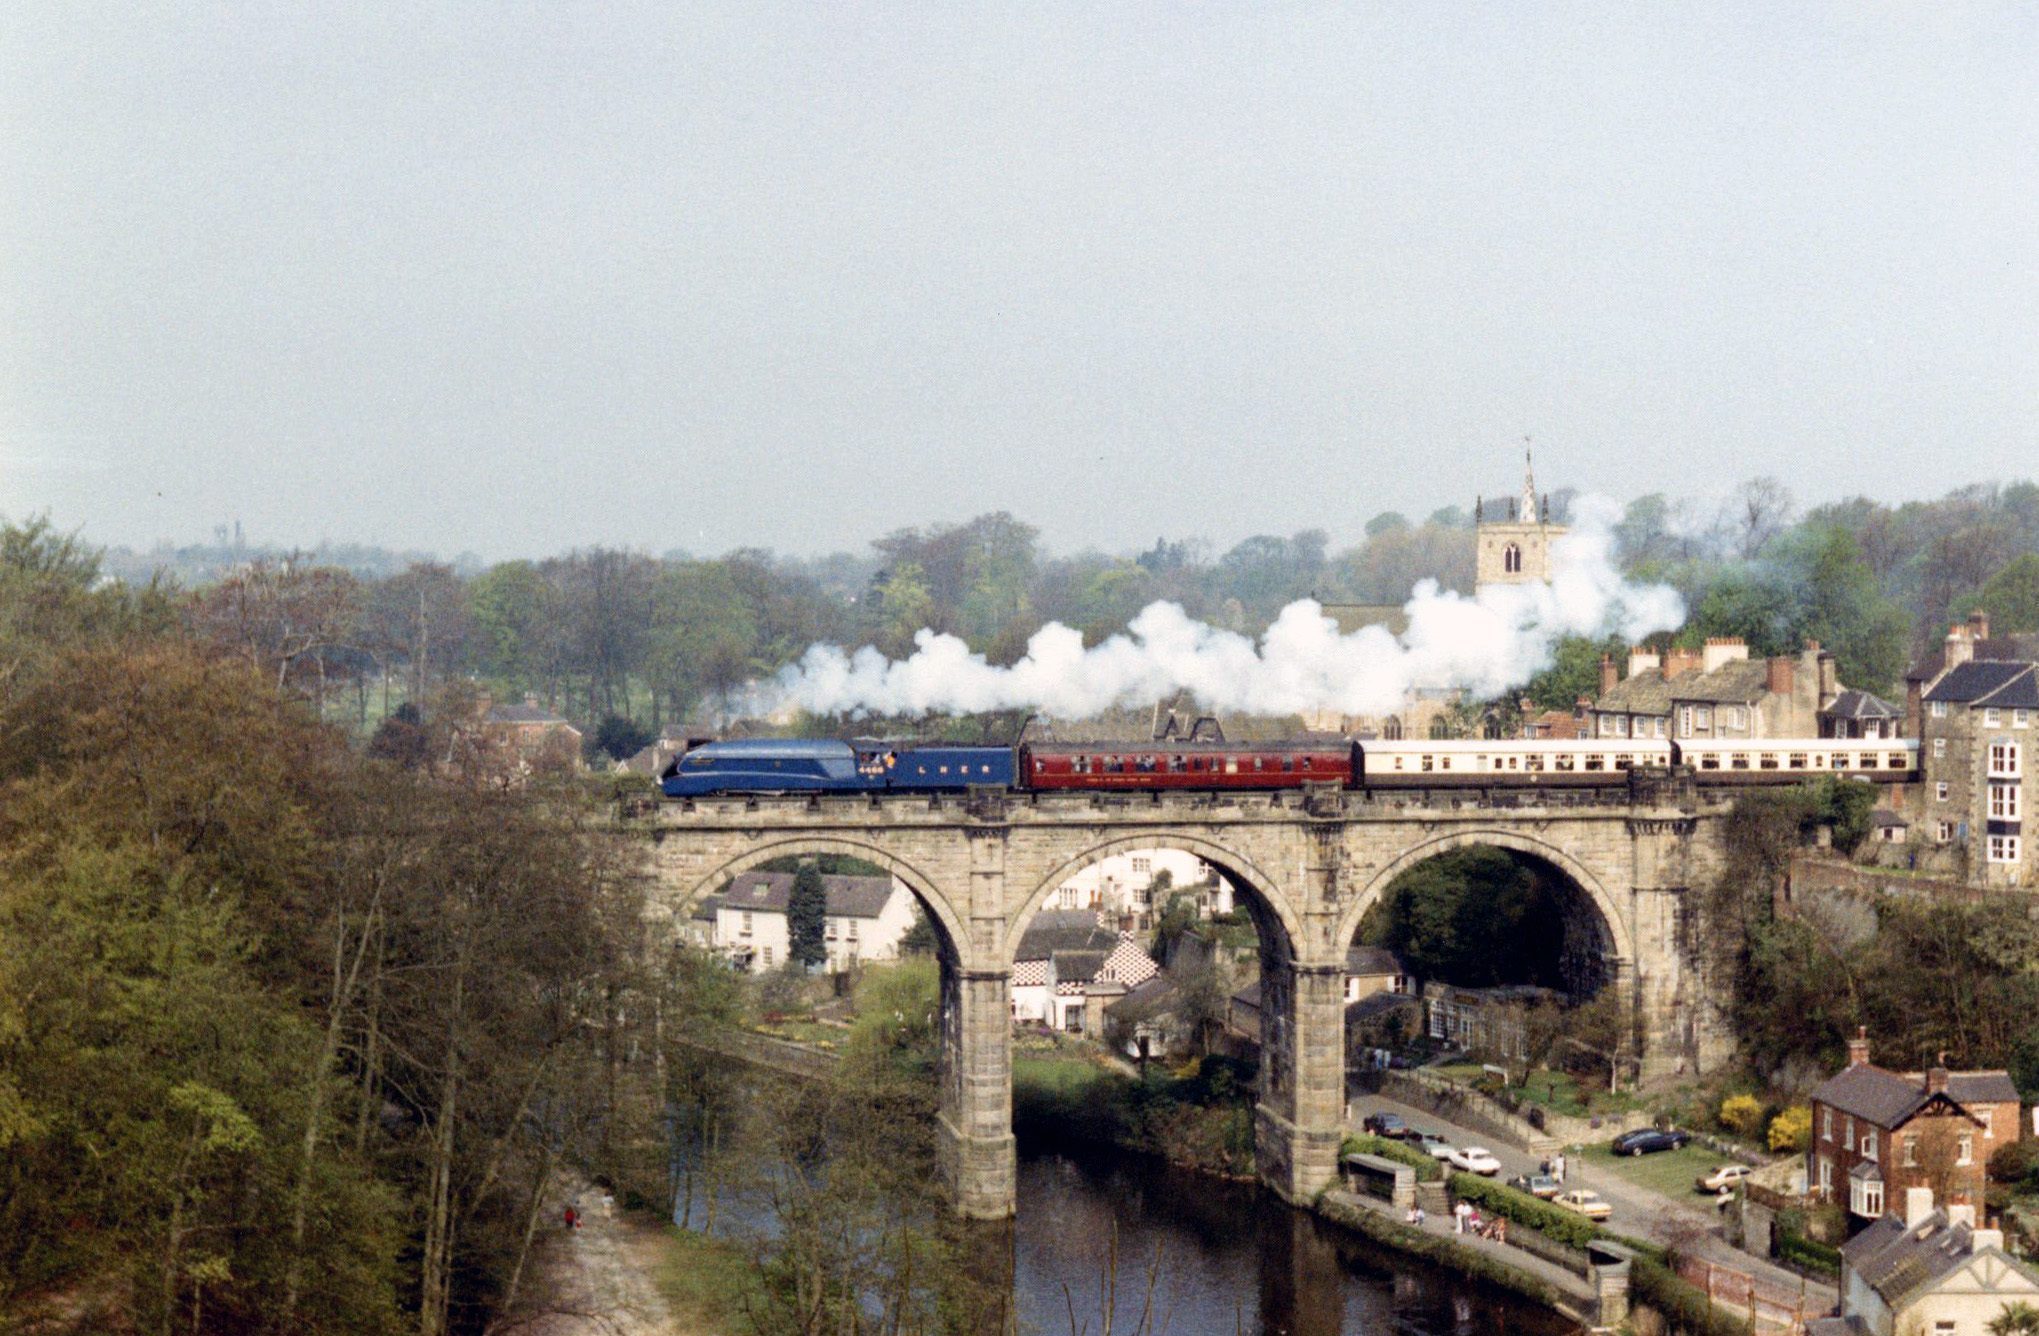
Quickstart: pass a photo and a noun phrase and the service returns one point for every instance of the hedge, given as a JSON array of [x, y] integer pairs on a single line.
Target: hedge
[[1426, 1166], [1567, 1227], [1683, 1305], [1809, 1254]]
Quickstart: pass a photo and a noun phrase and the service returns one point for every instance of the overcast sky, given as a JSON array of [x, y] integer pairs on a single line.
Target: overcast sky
[[514, 278]]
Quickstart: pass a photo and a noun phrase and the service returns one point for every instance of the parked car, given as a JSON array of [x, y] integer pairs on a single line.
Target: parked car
[[1723, 1178], [1647, 1140], [1589, 1204], [1432, 1144], [1536, 1185], [1474, 1160], [1388, 1125]]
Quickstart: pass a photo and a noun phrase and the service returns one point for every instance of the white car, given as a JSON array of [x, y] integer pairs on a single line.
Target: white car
[[1475, 1160]]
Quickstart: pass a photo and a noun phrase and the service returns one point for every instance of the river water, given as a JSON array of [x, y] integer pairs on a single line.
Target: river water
[[1231, 1259]]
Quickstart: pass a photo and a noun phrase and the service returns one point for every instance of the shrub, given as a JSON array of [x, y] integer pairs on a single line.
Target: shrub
[[1684, 1306], [2017, 1163], [1426, 1166], [1554, 1222], [1741, 1114], [1802, 1252], [1791, 1129]]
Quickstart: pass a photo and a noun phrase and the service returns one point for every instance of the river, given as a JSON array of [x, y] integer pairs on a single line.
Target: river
[[1232, 1258]]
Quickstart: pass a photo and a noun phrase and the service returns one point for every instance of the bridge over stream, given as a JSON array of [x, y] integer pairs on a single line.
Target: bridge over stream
[[1307, 864]]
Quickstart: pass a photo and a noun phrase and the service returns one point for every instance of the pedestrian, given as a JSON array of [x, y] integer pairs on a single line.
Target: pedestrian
[[1500, 1229], [1461, 1214], [1557, 1168], [569, 1217], [1418, 1215]]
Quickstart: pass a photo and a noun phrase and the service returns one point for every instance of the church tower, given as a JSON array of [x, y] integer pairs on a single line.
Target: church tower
[[1516, 550]]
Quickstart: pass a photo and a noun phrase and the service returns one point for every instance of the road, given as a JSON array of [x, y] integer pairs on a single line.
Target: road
[[1694, 1228]]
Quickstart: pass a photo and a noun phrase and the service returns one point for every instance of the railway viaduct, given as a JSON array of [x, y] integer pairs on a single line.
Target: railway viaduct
[[1308, 865]]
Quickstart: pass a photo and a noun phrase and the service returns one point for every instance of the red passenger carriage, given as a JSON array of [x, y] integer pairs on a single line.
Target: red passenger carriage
[[1185, 765]]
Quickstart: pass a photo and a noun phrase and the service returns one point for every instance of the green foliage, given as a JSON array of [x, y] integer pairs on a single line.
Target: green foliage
[[1684, 1306], [1574, 672], [1475, 917], [1555, 1222], [1203, 1120], [2018, 1318], [2011, 597], [898, 1011], [807, 917], [1808, 1255], [617, 737]]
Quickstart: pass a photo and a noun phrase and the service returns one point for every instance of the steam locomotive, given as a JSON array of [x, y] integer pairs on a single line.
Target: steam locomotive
[[826, 765]]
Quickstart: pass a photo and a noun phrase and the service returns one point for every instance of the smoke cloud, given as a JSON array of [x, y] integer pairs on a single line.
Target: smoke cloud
[[1484, 645]]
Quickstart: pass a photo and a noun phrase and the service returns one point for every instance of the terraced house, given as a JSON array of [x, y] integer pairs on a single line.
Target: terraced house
[[1978, 714]]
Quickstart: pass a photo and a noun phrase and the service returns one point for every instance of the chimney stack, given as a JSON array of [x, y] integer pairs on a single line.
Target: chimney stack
[[1642, 659], [1978, 1239], [1607, 678], [1721, 650], [1830, 676], [1936, 1077], [1978, 626], [1960, 648], [1680, 661], [1779, 683], [1918, 1204], [1858, 1047]]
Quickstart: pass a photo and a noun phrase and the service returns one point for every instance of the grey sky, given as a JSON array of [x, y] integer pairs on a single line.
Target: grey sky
[[514, 278]]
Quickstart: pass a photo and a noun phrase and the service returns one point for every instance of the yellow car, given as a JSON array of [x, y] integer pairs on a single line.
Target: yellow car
[[1589, 1204], [1724, 1177]]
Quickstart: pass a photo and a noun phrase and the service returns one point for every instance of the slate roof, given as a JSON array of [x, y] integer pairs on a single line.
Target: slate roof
[[1861, 705], [1897, 1262], [1737, 682], [848, 897], [1371, 960], [1074, 967], [1991, 681], [2016, 647], [1055, 930], [1886, 1098], [1884, 818], [705, 907], [1151, 998], [1644, 693]]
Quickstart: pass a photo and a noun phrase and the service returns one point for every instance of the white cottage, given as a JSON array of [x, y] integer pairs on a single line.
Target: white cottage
[[866, 919]]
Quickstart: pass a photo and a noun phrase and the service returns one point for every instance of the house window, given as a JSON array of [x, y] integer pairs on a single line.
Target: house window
[[1939, 748], [2003, 802], [1909, 1146], [1988, 1117], [1737, 717], [2003, 760], [746, 923], [850, 928], [1705, 718], [2003, 848], [1940, 791], [1964, 1148], [1865, 1198], [1992, 717], [1684, 721], [1939, 709], [1944, 1327], [1869, 1143], [1621, 725], [1826, 1124], [768, 957], [1946, 832], [1827, 1177], [2021, 718], [1848, 1133]]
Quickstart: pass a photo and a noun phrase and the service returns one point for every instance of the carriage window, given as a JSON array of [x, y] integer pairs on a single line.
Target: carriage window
[[1427, 762], [1623, 761], [1798, 760], [1840, 761], [1567, 761], [1896, 760], [1739, 761], [1596, 762], [1231, 765], [1533, 761], [1710, 761], [1040, 767], [1444, 763], [1258, 763], [1767, 761], [1288, 763], [1303, 764]]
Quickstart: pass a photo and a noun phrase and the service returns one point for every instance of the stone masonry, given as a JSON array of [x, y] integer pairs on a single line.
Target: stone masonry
[[1307, 865]]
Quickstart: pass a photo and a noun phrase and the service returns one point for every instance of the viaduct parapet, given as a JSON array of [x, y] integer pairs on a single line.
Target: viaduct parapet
[[1307, 864]]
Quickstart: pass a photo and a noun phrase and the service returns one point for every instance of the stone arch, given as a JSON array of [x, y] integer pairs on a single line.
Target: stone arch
[[1620, 941], [937, 904], [1269, 904]]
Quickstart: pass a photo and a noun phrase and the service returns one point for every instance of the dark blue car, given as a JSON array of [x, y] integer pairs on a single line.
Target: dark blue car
[[824, 765]]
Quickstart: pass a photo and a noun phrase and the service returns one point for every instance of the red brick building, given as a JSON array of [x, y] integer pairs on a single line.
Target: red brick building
[[1876, 1133]]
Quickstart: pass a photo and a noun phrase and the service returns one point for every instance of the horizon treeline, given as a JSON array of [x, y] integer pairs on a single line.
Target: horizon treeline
[[606, 634]]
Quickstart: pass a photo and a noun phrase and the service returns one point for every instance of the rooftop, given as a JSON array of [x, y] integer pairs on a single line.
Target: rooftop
[[1054, 931], [848, 897], [1989, 682], [1861, 705]]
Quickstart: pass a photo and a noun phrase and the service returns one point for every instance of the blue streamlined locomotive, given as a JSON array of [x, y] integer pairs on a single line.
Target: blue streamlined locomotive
[[779, 765]]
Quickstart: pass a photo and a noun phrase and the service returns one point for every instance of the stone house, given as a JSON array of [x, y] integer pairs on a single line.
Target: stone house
[[1922, 1271], [1714, 694], [1492, 1022], [1070, 965], [1978, 717], [866, 919], [1373, 969], [1860, 714], [1878, 1133], [529, 737]]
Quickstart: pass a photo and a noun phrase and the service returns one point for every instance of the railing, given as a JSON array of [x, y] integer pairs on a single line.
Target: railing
[[1772, 1307]]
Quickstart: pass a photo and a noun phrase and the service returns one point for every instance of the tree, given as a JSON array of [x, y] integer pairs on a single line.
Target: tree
[[618, 738], [2018, 1318], [807, 917], [1791, 1129], [1386, 522], [2011, 597], [1758, 512]]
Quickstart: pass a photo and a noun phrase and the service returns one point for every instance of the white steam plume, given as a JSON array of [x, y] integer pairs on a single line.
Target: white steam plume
[[1485, 645]]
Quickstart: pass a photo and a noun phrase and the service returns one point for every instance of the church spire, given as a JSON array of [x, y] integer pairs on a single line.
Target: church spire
[[1528, 484]]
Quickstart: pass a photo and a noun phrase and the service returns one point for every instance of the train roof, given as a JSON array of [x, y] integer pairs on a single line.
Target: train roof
[[1468, 746], [780, 747], [1178, 746]]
